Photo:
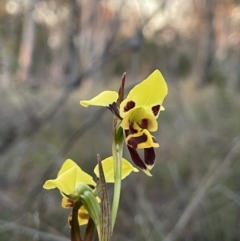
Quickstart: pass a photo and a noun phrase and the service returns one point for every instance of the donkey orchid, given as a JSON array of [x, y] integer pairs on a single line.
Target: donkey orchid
[[138, 114], [71, 177]]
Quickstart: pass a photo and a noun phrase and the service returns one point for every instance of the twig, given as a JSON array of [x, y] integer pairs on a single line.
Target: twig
[[211, 176], [5, 226], [150, 214]]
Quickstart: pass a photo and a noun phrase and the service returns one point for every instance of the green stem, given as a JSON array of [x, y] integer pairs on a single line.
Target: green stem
[[117, 159]]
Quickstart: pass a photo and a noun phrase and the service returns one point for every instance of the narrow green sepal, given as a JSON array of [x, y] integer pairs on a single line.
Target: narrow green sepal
[[89, 201], [119, 137]]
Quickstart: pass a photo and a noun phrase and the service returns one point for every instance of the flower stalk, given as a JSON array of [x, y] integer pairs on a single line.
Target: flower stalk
[[117, 149], [75, 230], [117, 162]]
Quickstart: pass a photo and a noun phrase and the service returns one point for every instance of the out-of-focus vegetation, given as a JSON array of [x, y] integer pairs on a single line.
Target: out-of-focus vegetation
[[54, 53]]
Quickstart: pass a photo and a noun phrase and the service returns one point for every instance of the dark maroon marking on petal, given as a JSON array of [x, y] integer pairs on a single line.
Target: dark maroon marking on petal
[[155, 109], [131, 128], [83, 215], [114, 109], [143, 123], [136, 158], [126, 133], [69, 203], [134, 141], [130, 104], [149, 156]]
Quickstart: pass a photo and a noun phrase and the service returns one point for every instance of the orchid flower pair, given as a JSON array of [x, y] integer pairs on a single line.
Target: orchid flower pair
[[135, 117], [138, 114]]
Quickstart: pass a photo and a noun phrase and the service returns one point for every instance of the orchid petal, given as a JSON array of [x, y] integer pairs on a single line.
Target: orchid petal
[[149, 157], [142, 139], [68, 177], [149, 94], [138, 160], [108, 169], [64, 182], [143, 121], [83, 217], [105, 99], [82, 177], [67, 202]]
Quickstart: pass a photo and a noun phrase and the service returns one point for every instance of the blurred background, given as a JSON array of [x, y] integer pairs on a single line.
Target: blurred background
[[55, 52]]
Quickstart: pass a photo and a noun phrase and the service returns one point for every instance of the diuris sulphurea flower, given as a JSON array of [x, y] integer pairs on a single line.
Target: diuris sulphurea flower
[[138, 113], [71, 178]]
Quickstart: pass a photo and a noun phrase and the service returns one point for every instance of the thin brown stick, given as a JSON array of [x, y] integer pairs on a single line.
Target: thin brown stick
[[213, 174]]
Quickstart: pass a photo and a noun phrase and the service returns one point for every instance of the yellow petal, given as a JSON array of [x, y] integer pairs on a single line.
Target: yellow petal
[[143, 120], [68, 177], [82, 177], [103, 99], [125, 121], [108, 169], [142, 139], [137, 114], [83, 216], [147, 172], [149, 122], [68, 164], [148, 94], [67, 203], [65, 182]]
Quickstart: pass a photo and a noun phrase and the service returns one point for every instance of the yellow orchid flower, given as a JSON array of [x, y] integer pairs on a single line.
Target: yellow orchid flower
[[138, 114], [71, 176]]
